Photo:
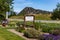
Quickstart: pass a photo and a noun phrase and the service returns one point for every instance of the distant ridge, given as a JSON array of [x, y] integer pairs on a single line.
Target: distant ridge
[[28, 10]]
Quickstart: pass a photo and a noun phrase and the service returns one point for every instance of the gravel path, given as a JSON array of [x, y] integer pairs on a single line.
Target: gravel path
[[19, 34], [44, 21]]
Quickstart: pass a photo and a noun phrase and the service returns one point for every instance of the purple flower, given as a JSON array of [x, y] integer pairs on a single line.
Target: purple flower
[[51, 37]]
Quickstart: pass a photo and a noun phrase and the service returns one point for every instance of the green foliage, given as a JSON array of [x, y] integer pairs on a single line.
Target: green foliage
[[37, 25], [1, 17], [47, 27], [20, 27], [5, 5], [55, 31], [10, 26], [56, 13], [55, 34], [20, 23], [29, 23], [12, 14], [32, 33]]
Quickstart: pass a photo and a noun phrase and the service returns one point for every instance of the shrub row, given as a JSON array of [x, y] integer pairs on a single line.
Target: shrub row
[[32, 33]]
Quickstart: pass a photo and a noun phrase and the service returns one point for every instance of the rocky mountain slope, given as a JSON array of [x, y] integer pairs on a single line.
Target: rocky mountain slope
[[30, 10]]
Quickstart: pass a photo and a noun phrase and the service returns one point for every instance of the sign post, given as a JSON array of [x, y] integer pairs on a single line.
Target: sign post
[[29, 18]]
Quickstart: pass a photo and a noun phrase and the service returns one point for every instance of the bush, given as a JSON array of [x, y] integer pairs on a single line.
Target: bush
[[49, 37], [45, 37], [37, 25], [32, 33], [19, 23], [46, 28], [54, 35], [11, 25], [56, 12], [55, 32], [20, 27]]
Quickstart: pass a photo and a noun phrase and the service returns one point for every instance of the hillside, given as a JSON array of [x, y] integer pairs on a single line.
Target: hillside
[[37, 17], [30, 10], [39, 14]]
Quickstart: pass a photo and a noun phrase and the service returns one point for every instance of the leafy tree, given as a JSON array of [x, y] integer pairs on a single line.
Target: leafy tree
[[1, 17], [5, 6], [56, 13]]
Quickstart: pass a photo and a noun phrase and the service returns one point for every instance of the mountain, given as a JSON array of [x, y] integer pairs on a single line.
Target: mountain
[[30, 10]]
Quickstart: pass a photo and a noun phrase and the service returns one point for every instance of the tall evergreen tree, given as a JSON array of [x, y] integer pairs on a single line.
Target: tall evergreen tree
[[56, 12]]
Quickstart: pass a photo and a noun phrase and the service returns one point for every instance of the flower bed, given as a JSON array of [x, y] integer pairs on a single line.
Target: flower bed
[[49, 37], [54, 35]]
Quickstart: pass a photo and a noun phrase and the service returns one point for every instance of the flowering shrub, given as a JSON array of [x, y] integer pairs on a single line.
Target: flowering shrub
[[55, 32], [54, 35], [49, 37], [32, 33]]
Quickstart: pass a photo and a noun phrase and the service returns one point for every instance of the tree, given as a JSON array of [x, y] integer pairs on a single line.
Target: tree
[[5, 6], [1, 17], [56, 13], [12, 14]]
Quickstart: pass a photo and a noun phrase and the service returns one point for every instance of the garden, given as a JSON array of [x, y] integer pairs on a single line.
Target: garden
[[40, 31]]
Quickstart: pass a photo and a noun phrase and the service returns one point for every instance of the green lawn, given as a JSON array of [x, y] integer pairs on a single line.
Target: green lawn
[[6, 35]]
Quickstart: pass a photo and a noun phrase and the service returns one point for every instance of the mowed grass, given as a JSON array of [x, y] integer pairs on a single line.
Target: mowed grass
[[37, 17], [6, 35]]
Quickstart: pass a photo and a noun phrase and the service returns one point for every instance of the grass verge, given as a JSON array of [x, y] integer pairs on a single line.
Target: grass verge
[[6, 35]]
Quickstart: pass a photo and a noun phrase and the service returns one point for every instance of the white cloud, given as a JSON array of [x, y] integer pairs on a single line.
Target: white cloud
[[17, 10], [19, 1], [27, 3]]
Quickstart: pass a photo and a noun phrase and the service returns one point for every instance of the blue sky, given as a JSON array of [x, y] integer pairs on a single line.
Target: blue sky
[[47, 5]]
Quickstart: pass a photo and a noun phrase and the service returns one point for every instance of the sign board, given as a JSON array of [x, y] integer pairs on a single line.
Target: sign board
[[29, 18]]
